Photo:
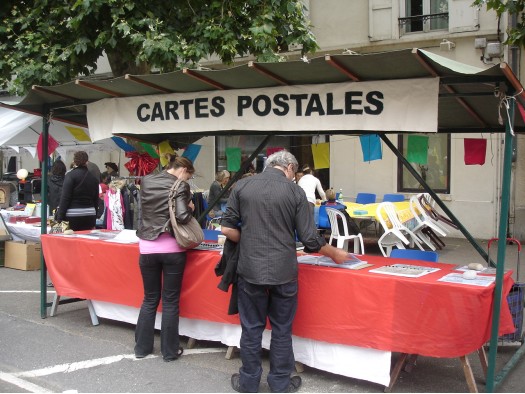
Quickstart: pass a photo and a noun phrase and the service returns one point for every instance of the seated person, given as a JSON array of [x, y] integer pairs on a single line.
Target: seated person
[[353, 228], [221, 179]]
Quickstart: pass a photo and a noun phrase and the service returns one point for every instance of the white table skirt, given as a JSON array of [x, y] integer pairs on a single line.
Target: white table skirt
[[351, 361]]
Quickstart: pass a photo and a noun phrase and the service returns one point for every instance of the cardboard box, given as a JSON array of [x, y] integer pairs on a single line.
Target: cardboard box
[[22, 255]]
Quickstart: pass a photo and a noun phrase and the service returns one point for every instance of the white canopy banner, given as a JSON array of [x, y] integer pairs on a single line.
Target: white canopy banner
[[394, 105]]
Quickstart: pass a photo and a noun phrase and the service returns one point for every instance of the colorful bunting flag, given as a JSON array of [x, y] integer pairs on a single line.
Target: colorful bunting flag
[[123, 144], [233, 159], [321, 155], [371, 147], [164, 147], [271, 151], [191, 152], [417, 149], [150, 149], [475, 151], [52, 144], [78, 133]]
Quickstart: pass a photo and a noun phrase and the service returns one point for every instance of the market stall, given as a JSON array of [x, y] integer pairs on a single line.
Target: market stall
[[341, 94]]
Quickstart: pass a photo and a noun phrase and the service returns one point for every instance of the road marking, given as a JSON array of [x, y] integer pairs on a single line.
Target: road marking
[[72, 367], [28, 386], [15, 378]]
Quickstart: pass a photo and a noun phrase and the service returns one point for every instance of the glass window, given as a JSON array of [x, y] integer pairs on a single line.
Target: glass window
[[437, 170], [424, 15]]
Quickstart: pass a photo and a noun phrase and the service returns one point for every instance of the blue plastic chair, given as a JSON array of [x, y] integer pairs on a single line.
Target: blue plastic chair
[[415, 254], [365, 198], [394, 197]]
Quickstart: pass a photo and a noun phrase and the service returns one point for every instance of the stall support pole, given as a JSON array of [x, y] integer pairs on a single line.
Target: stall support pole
[[502, 234], [235, 177], [429, 190], [43, 214]]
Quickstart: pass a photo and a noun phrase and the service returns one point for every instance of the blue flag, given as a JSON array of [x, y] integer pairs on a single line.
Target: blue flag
[[371, 147], [191, 152], [123, 144]]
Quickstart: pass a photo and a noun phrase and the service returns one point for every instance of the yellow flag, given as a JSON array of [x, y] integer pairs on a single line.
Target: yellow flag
[[78, 133], [164, 147], [321, 154]]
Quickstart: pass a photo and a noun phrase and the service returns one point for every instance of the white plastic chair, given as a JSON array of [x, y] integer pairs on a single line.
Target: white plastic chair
[[342, 239], [426, 228], [396, 234]]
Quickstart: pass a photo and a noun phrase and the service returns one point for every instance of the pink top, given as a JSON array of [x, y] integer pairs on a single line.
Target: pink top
[[165, 243]]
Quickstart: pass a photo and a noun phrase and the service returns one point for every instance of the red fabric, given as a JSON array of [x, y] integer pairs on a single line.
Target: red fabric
[[522, 110], [140, 163], [409, 315], [52, 144], [475, 151]]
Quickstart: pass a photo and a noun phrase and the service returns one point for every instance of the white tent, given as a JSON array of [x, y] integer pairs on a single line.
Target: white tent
[[21, 130]]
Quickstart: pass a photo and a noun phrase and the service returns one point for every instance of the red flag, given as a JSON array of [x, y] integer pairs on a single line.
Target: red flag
[[522, 111], [475, 151], [52, 144]]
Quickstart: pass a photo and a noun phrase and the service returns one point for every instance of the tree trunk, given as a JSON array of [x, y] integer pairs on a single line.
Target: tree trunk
[[121, 66]]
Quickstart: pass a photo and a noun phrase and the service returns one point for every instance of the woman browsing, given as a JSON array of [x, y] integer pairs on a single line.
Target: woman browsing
[[162, 260]]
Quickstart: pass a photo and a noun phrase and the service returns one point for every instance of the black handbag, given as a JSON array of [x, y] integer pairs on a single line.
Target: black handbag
[[188, 235]]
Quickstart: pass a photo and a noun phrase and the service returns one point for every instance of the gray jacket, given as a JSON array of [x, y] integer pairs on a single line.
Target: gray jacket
[[154, 191]]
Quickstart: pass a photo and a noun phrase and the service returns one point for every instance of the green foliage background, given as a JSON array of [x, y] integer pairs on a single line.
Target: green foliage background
[[46, 42]]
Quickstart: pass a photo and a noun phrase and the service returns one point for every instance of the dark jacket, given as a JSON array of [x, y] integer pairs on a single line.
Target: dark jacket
[[80, 190], [154, 191], [227, 268], [54, 190]]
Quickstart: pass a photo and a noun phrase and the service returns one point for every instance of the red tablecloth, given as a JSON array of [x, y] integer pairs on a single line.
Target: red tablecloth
[[359, 308]]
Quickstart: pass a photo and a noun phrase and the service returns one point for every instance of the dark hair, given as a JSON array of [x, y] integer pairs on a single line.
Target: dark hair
[[80, 158], [111, 165], [58, 168], [306, 169], [175, 162], [104, 176]]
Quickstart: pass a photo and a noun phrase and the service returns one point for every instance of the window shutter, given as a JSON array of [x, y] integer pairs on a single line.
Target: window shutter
[[462, 16], [380, 20]]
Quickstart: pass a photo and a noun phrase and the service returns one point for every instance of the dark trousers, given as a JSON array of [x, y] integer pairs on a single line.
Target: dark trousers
[[162, 276], [79, 223], [279, 304]]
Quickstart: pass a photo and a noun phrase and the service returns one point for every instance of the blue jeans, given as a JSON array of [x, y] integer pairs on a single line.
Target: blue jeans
[[279, 304], [162, 277]]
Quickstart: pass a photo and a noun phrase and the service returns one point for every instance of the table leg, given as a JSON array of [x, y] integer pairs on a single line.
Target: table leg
[[411, 363], [469, 376], [92, 314], [54, 306], [229, 352], [191, 343], [299, 367], [394, 375], [483, 360]]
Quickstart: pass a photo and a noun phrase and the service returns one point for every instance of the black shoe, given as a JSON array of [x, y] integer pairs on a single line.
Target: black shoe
[[179, 353], [236, 382], [295, 383], [140, 355]]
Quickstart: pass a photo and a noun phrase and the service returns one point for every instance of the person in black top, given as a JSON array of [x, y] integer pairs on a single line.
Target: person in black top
[[79, 199], [274, 209], [54, 184]]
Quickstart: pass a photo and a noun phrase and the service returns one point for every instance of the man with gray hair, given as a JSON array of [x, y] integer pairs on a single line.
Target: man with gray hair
[[264, 214]]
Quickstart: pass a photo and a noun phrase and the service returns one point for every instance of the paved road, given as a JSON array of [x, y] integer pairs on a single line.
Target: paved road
[[66, 353]]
